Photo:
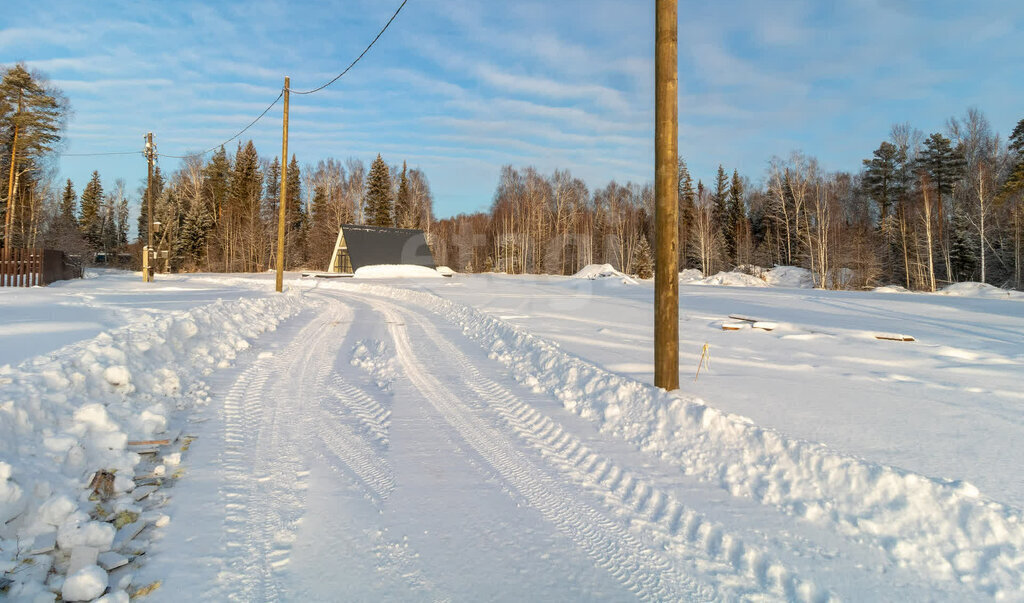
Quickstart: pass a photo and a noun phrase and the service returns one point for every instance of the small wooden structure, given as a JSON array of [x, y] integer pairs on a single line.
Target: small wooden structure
[[35, 267], [359, 246]]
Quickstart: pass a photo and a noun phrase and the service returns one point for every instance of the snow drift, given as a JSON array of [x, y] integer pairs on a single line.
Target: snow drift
[[68, 414], [945, 528]]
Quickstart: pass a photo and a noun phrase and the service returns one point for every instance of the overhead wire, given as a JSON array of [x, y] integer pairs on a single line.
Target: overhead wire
[[361, 55], [269, 107]]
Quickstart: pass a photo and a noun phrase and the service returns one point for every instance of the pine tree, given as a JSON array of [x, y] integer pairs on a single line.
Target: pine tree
[[642, 259], [736, 218], [881, 179], [943, 164], [404, 217], [1015, 181], [378, 194], [90, 220], [720, 200]]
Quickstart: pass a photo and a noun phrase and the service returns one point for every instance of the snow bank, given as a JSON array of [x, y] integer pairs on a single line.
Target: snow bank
[[945, 529], [602, 271], [792, 277], [445, 271], [732, 279], [891, 289], [396, 271], [68, 414], [973, 289], [690, 275]]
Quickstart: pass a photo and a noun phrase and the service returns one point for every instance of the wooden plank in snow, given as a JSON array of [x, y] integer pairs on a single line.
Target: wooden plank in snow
[[894, 337]]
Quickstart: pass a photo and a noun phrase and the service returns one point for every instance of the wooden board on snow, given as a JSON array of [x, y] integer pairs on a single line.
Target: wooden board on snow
[[764, 325], [734, 326], [743, 318], [894, 337]]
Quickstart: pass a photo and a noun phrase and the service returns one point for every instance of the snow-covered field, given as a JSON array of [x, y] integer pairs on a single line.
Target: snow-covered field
[[497, 437]]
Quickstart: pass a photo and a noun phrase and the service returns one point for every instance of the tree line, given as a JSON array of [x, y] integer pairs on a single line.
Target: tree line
[[922, 211]]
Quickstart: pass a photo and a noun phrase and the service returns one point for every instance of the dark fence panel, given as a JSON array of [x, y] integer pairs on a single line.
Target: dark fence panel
[[36, 267]]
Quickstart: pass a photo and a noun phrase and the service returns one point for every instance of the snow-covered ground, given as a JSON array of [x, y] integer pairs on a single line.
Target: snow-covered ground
[[497, 437]]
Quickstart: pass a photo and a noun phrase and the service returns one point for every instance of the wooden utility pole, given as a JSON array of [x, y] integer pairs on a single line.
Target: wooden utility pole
[[148, 260], [9, 218], [666, 197], [284, 193]]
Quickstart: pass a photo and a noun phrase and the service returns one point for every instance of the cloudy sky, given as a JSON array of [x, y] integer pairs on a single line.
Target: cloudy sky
[[460, 88]]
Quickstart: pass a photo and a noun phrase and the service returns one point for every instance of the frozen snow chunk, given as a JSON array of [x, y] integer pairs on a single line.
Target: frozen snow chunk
[[173, 459], [55, 510], [118, 376], [152, 420], [78, 531], [84, 585], [95, 417], [11, 503]]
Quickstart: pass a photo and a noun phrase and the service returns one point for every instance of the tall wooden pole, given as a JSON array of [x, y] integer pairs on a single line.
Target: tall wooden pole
[[149, 261], [284, 193], [666, 198]]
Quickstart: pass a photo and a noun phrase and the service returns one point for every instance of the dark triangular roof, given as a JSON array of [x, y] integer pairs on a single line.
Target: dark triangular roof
[[372, 245]]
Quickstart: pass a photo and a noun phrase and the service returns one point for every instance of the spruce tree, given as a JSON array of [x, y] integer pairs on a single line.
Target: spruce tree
[[217, 178], [720, 198], [403, 203], [642, 259], [68, 206], [736, 218], [963, 253], [687, 212], [90, 220], [296, 225], [378, 194]]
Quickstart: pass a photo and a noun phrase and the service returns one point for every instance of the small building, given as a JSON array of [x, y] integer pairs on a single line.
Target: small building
[[360, 246]]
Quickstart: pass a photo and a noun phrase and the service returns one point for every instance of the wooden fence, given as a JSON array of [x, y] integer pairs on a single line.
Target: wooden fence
[[35, 267]]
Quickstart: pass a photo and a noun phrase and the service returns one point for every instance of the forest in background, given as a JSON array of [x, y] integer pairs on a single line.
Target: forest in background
[[922, 210]]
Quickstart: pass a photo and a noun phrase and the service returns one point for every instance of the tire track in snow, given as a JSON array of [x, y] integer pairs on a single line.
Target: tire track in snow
[[658, 515], [642, 570], [256, 468]]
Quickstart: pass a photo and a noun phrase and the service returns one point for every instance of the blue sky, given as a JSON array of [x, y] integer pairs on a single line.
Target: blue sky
[[460, 88]]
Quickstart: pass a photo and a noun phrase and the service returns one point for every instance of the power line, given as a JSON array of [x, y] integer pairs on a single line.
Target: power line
[[269, 107], [353, 63], [240, 132], [99, 154]]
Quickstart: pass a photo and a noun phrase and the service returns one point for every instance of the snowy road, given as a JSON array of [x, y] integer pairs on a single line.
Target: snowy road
[[376, 451]]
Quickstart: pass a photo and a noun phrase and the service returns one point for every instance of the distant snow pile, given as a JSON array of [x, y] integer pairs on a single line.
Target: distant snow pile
[[973, 289], [69, 414], [596, 271], [396, 271], [945, 530], [602, 271], [792, 277], [445, 271], [690, 275], [891, 289], [732, 279]]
